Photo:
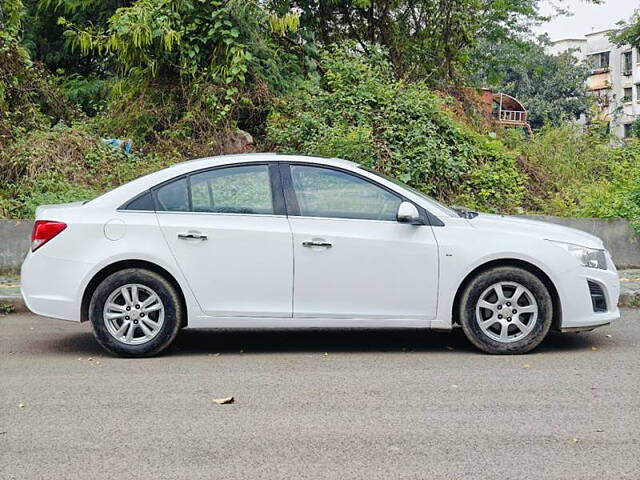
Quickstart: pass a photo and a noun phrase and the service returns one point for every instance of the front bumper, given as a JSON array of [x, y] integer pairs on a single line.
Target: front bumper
[[579, 309]]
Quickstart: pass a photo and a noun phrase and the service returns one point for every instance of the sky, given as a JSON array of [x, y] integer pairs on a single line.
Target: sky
[[586, 17]]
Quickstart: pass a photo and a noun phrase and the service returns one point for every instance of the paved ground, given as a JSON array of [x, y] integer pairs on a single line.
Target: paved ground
[[318, 404]]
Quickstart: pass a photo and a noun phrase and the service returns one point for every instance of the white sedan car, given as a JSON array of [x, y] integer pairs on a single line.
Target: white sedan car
[[276, 241]]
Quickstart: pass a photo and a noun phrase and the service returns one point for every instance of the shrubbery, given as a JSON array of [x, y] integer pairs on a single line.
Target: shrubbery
[[581, 173], [361, 113]]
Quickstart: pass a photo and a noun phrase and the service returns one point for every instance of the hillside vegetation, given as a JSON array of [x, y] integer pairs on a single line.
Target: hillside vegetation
[[180, 78]]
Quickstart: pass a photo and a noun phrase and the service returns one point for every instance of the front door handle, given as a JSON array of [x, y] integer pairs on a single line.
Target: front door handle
[[316, 243], [192, 236]]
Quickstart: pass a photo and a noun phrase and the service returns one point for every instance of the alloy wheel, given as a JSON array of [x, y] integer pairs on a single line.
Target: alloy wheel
[[506, 312], [133, 314]]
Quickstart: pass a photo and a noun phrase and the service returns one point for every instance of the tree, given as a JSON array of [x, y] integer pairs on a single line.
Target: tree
[[433, 40], [629, 33], [551, 87]]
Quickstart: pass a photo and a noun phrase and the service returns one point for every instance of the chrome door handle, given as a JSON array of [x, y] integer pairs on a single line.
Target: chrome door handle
[[192, 236], [313, 243]]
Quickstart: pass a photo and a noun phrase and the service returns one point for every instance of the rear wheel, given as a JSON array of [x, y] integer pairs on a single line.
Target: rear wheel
[[506, 310], [135, 313]]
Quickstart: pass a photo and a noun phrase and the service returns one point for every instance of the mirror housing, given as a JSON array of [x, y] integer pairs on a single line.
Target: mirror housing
[[408, 213]]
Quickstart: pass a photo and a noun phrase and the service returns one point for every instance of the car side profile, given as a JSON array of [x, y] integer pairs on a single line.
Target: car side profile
[[279, 241]]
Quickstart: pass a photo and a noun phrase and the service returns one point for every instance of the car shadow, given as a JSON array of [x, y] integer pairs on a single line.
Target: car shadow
[[191, 342], [198, 342]]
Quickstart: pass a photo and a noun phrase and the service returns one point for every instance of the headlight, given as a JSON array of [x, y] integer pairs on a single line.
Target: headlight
[[588, 257]]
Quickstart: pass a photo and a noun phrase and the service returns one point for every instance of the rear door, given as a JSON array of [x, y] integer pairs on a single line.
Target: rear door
[[352, 258], [227, 230]]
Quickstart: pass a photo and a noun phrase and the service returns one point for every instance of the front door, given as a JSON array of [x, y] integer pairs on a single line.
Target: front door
[[233, 247], [352, 258]]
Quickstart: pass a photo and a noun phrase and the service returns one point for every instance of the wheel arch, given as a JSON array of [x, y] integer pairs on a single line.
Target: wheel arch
[[122, 265], [511, 262]]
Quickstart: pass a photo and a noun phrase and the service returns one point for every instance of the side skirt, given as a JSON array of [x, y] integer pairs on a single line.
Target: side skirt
[[276, 323]]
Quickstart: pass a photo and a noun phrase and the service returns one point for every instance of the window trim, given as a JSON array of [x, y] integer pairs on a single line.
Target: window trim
[[275, 184], [293, 208]]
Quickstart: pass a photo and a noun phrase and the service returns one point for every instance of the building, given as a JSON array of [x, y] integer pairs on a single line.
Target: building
[[614, 77], [506, 110]]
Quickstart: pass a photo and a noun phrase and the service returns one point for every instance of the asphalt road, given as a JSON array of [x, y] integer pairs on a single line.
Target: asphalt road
[[318, 404]]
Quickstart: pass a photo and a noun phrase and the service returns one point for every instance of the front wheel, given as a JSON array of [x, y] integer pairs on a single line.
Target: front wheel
[[506, 310], [135, 313]]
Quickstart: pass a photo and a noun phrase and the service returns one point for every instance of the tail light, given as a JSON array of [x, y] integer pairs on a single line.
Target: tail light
[[43, 231]]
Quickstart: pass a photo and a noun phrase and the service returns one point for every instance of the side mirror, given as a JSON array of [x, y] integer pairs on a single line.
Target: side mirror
[[408, 213]]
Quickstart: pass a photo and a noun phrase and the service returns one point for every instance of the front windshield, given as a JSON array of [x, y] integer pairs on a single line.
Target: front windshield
[[450, 211]]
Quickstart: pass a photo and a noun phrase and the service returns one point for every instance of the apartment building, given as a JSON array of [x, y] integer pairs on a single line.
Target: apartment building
[[614, 77]]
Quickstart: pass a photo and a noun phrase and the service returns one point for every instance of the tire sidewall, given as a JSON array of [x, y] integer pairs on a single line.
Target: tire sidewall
[[172, 312], [506, 274]]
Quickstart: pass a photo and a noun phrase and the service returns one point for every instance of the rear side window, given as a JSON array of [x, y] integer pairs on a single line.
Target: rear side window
[[242, 189], [173, 197], [142, 202]]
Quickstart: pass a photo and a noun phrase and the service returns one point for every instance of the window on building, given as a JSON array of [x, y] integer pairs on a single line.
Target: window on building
[[599, 61], [627, 130], [638, 92], [627, 63], [627, 95]]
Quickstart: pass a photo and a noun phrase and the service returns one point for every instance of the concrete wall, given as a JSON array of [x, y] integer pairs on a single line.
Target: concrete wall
[[621, 241], [15, 239], [618, 237]]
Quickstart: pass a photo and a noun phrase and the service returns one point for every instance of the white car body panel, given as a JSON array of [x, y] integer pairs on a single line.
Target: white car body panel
[[244, 268], [374, 269], [377, 274]]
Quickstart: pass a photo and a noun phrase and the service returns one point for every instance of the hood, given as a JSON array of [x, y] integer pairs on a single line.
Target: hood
[[536, 228]]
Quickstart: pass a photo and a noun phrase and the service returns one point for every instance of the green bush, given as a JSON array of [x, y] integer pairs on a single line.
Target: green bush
[[63, 164], [359, 112]]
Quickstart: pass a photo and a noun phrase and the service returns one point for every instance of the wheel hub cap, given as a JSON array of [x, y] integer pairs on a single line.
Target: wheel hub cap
[[506, 312], [133, 314]]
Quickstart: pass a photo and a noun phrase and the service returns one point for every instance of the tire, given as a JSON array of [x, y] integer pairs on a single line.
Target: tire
[[506, 298], [128, 328]]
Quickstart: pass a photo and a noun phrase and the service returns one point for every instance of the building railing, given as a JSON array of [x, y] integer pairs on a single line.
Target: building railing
[[513, 116]]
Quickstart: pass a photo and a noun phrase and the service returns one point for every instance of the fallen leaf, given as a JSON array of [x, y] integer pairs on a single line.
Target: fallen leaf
[[449, 348], [21, 405], [608, 336], [574, 440], [594, 349], [526, 365], [223, 401], [454, 386], [90, 359]]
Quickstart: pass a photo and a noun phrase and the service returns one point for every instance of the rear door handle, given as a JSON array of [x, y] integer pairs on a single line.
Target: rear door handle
[[315, 243], [192, 236]]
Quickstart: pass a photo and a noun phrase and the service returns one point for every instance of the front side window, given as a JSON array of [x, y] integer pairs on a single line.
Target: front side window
[[244, 189], [324, 192]]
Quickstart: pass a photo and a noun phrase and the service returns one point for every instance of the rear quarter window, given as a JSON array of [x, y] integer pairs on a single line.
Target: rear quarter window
[[143, 202]]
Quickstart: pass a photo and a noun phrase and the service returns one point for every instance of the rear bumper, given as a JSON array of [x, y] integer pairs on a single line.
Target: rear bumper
[[51, 286]]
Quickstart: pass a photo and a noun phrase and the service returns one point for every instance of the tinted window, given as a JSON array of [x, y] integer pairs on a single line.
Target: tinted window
[[143, 202], [173, 197], [244, 189], [323, 192]]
